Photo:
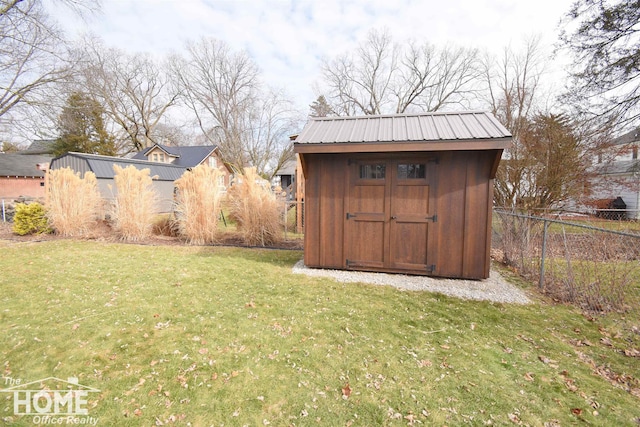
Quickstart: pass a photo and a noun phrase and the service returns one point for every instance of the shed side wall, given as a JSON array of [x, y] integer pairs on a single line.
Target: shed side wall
[[464, 203], [324, 210]]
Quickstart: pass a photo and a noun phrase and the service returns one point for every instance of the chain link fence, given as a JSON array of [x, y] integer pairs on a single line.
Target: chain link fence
[[595, 268], [293, 219]]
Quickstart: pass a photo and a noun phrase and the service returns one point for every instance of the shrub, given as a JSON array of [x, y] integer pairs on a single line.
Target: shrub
[[198, 204], [135, 203], [72, 202], [30, 219], [256, 210]]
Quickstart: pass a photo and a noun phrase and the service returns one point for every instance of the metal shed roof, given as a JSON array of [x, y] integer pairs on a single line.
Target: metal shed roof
[[423, 127], [102, 166]]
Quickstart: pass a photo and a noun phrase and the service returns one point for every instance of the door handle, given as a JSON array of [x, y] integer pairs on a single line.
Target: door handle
[[394, 217]]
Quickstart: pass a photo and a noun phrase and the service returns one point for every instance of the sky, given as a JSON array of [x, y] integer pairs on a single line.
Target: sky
[[288, 39]]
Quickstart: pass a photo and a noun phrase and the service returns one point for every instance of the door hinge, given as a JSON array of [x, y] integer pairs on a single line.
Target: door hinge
[[433, 218], [350, 215], [431, 268]]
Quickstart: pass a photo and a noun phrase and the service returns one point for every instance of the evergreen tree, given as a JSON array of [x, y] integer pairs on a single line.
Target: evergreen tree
[[320, 108], [82, 128]]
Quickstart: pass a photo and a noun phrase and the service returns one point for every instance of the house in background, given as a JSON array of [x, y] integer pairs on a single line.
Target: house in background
[[188, 157], [406, 193], [22, 172], [619, 175], [286, 179]]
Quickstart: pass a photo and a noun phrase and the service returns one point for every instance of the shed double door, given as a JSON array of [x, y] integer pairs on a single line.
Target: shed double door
[[389, 214]]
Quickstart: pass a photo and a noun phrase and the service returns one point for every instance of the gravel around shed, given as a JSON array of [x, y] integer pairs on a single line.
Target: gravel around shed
[[495, 288]]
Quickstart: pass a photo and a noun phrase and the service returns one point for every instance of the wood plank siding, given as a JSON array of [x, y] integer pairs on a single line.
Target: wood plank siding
[[378, 206]]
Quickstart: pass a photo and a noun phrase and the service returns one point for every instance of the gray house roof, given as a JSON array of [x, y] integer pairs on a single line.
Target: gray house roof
[[423, 127], [40, 146], [628, 137], [18, 164], [102, 166], [288, 168], [621, 167], [186, 157]]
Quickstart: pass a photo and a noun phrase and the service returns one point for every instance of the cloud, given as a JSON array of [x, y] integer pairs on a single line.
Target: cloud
[[289, 38]]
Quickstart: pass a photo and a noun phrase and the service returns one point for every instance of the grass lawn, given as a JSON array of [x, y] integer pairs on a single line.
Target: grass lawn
[[223, 336]]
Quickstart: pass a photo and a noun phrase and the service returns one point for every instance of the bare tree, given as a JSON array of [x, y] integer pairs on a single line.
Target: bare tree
[[268, 146], [604, 40], [381, 76], [513, 83], [172, 134], [232, 107], [220, 87], [512, 88], [32, 60], [30, 57], [548, 162], [133, 89]]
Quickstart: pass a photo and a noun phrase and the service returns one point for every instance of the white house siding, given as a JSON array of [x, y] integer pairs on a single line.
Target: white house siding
[[627, 187]]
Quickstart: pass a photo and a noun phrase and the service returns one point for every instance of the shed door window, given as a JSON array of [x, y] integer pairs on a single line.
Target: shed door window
[[412, 170], [373, 171]]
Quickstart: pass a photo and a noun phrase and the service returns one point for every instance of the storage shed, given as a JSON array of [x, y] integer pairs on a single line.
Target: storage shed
[[164, 174], [409, 193]]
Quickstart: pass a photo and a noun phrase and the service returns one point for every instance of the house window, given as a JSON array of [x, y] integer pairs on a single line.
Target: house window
[[373, 171], [412, 171], [157, 157], [213, 162], [221, 181]]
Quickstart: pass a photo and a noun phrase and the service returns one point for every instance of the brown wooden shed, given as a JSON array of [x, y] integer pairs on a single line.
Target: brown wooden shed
[[408, 193]]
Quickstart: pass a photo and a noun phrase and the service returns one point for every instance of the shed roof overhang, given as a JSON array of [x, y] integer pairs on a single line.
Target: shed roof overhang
[[403, 147], [404, 133], [495, 145]]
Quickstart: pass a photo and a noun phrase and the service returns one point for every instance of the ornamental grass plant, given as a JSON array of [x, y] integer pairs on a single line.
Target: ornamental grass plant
[[72, 202], [198, 205], [136, 203], [256, 210]]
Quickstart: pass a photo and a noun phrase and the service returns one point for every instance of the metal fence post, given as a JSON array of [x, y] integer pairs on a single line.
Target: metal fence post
[[544, 253], [285, 220], [4, 216]]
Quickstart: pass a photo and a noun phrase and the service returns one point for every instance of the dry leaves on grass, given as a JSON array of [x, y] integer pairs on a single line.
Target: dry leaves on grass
[[624, 381], [346, 391]]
